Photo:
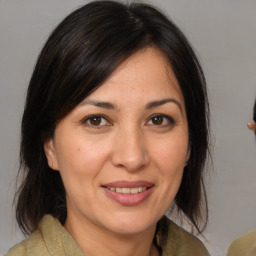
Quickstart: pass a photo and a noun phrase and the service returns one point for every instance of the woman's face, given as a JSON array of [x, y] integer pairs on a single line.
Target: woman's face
[[121, 152]]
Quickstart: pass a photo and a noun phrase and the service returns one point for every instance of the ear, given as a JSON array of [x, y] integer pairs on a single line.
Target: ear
[[252, 126], [50, 152]]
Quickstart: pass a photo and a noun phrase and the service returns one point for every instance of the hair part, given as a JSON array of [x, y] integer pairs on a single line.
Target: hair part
[[80, 54]]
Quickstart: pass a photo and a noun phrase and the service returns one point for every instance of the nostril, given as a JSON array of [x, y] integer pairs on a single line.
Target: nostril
[[130, 162], [130, 151]]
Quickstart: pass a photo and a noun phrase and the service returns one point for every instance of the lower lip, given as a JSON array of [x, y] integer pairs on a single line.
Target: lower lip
[[129, 199]]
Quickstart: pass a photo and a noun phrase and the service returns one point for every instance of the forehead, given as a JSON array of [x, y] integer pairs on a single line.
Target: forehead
[[146, 75]]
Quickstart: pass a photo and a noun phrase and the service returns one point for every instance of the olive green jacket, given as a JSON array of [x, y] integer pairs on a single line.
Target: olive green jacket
[[244, 245], [52, 239]]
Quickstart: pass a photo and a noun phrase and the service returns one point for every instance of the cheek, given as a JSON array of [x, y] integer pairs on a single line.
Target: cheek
[[169, 157], [80, 156], [171, 154], [80, 165]]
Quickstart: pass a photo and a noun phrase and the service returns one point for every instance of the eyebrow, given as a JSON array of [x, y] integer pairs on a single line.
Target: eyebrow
[[101, 104], [150, 105], [157, 103]]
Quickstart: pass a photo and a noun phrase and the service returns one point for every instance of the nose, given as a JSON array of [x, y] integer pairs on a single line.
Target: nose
[[130, 150]]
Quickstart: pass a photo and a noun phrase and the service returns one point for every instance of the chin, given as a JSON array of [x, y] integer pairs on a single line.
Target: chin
[[131, 224]]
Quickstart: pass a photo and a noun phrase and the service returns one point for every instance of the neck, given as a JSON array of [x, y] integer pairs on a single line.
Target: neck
[[94, 240]]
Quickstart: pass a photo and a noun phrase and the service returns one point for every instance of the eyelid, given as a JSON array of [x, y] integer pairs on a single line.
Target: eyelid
[[170, 119], [85, 119]]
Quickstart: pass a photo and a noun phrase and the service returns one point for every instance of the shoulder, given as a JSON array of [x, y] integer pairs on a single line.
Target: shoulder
[[34, 243], [244, 245], [181, 242], [49, 239], [18, 250]]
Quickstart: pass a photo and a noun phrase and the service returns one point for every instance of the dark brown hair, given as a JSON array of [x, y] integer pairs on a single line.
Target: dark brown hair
[[80, 54]]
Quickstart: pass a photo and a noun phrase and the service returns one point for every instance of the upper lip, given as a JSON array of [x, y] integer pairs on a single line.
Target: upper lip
[[128, 184]]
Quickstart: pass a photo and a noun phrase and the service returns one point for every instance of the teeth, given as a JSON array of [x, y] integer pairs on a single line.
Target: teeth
[[134, 190], [128, 190], [119, 190]]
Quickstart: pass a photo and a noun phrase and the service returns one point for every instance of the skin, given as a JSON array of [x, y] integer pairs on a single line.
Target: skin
[[252, 126], [134, 141]]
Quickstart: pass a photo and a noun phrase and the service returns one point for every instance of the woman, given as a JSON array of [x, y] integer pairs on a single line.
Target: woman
[[246, 244], [110, 137]]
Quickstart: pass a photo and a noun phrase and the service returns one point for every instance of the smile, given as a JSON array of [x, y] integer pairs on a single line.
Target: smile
[[128, 190], [127, 193]]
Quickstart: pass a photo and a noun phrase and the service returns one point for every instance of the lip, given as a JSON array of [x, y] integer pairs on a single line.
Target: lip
[[128, 184], [128, 199]]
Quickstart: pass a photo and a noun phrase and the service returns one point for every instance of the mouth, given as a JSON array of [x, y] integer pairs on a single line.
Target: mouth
[[135, 190], [128, 193]]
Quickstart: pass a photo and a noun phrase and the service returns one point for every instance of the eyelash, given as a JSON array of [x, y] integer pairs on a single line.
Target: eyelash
[[88, 119], [169, 119]]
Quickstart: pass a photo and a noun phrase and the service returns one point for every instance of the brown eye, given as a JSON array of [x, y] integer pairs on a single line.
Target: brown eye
[[161, 120], [96, 121], [157, 120]]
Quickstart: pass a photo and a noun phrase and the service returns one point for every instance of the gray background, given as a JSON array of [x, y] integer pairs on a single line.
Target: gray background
[[223, 33]]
